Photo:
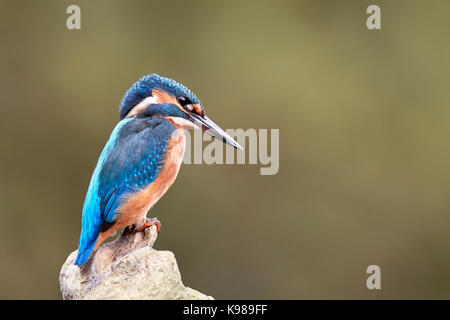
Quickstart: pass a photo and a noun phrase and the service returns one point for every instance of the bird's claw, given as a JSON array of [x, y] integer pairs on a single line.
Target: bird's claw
[[151, 222]]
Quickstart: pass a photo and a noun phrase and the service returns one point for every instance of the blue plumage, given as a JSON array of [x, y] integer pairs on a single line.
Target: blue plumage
[[167, 110], [131, 160]]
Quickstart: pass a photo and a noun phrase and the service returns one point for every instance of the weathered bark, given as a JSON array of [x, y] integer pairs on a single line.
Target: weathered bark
[[126, 268]]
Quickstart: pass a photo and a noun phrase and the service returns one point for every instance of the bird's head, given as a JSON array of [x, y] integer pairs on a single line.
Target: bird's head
[[153, 96]]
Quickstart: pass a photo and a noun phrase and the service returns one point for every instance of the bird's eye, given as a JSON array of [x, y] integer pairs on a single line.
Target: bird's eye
[[184, 101]]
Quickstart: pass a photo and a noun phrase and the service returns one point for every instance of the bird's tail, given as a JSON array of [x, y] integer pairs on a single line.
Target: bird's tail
[[85, 248]]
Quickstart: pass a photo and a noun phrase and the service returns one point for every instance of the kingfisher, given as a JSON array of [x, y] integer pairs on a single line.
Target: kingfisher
[[141, 159]]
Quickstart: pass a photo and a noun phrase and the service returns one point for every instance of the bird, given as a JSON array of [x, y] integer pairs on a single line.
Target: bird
[[141, 159]]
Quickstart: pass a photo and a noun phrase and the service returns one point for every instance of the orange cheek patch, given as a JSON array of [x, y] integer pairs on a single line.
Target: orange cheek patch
[[164, 97], [198, 110]]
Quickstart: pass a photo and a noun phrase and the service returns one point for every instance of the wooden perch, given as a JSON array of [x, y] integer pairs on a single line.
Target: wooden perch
[[126, 268]]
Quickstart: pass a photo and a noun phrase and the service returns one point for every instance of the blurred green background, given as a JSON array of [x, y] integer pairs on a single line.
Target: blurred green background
[[364, 141]]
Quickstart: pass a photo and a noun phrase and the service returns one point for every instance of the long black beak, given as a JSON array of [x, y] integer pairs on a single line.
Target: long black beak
[[208, 126]]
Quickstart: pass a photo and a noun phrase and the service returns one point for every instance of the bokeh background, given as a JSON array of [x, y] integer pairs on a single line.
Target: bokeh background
[[364, 141]]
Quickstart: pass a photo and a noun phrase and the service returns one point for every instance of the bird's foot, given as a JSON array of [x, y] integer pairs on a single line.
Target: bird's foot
[[151, 222]]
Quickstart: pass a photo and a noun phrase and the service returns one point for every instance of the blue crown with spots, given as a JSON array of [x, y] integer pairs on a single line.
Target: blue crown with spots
[[143, 89]]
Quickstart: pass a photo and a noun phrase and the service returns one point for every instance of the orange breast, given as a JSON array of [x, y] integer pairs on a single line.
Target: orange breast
[[135, 206]]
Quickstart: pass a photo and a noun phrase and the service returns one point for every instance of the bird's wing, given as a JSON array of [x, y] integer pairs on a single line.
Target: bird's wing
[[131, 159], [133, 163]]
